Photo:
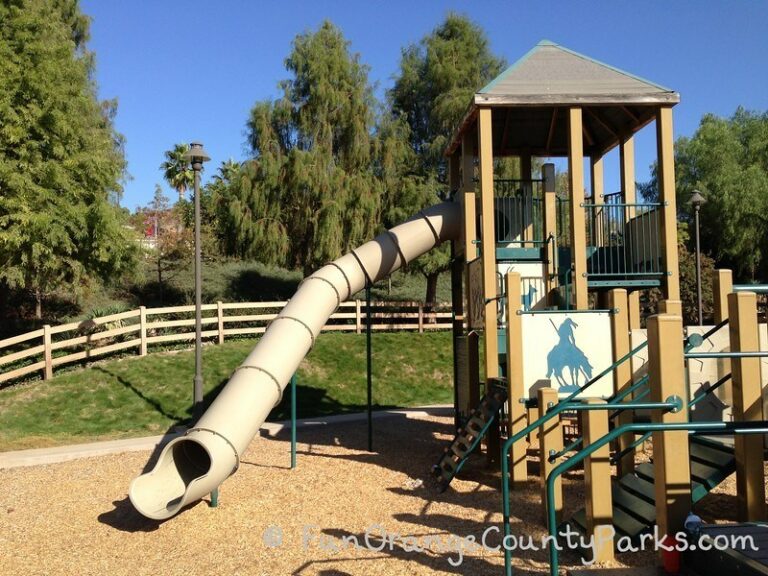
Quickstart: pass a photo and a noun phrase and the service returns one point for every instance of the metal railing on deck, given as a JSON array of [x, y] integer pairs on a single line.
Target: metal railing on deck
[[519, 212], [624, 239]]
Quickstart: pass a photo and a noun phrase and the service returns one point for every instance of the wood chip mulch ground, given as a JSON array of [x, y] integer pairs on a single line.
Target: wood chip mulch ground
[[75, 519]]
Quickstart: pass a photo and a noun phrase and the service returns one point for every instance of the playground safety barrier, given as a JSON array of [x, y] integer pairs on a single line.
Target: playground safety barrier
[[49, 347]]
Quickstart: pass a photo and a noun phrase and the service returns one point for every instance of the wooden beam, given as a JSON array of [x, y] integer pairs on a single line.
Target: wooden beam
[[604, 123], [629, 113], [578, 227], [552, 124], [587, 134], [666, 178]]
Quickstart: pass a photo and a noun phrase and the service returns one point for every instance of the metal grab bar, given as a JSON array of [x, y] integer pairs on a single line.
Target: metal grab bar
[[709, 428], [702, 355], [673, 403], [756, 288]]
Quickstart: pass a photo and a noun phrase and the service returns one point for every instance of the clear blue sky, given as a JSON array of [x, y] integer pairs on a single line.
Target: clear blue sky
[[191, 70]]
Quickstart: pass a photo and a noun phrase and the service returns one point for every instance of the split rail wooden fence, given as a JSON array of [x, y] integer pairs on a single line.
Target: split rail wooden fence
[[49, 347]]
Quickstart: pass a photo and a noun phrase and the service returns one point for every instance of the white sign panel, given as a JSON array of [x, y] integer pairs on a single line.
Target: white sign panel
[[565, 351]]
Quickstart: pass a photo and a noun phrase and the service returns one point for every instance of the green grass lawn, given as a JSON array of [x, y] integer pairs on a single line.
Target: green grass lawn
[[133, 397]]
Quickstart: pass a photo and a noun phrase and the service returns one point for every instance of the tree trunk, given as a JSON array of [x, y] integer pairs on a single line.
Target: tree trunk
[[38, 305], [431, 298], [160, 278]]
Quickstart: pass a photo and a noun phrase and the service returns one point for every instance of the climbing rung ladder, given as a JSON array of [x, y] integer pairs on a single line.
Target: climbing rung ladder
[[468, 437]]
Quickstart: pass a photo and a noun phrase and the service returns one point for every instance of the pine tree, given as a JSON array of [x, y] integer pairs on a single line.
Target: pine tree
[[309, 193], [433, 89], [60, 156]]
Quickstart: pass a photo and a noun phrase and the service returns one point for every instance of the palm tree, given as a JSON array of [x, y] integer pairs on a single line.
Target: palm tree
[[176, 170]]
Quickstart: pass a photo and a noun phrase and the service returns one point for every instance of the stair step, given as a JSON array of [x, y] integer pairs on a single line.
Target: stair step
[[711, 456], [640, 487], [635, 505]]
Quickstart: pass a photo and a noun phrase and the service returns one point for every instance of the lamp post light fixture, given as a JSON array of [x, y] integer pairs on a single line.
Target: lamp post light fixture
[[196, 156], [696, 201]]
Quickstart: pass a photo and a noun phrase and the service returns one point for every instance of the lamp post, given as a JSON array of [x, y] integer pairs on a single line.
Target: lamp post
[[196, 155], [696, 201]]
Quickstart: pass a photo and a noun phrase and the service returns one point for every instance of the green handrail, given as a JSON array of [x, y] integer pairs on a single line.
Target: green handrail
[[672, 403], [710, 428], [698, 398]]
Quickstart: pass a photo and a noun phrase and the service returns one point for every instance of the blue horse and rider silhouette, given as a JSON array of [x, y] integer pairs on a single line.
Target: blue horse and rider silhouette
[[566, 361]]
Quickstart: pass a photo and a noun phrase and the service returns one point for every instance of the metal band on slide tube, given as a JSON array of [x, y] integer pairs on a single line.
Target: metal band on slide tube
[[365, 272], [344, 275], [338, 296], [306, 326], [392, 237], [434, 232], [268, 373]]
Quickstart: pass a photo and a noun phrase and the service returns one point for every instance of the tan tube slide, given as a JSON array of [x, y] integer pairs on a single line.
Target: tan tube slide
[[193, 465]]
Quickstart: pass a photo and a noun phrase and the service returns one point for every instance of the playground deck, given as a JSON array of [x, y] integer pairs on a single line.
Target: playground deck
[[74, 517]]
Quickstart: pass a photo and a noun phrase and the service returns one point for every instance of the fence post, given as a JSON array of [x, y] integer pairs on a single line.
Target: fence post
[[747, 406], [142, 331], [47, 353], [220, 321], [358, 319], [421, 318], [550, 439]]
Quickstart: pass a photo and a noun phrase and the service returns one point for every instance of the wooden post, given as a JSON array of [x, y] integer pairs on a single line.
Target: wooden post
[[473, 364], [578, 229], [533, 414], [747, 406], [621, 345], [142, 331], [672, 307], [598, 189], [518, 466], [358, 318], [550, 440], [550, 229], [488, 238], [670, 449], [47, 353], [629, 195], [470, 198], [722, 285], [526, 173], [666, 178], [627, 160], [597, 479], [633, 307], [421, 318], [220, 321]]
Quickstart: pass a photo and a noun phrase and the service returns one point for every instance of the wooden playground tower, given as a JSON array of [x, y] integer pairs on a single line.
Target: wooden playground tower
[[528, 248], [556, 103]]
